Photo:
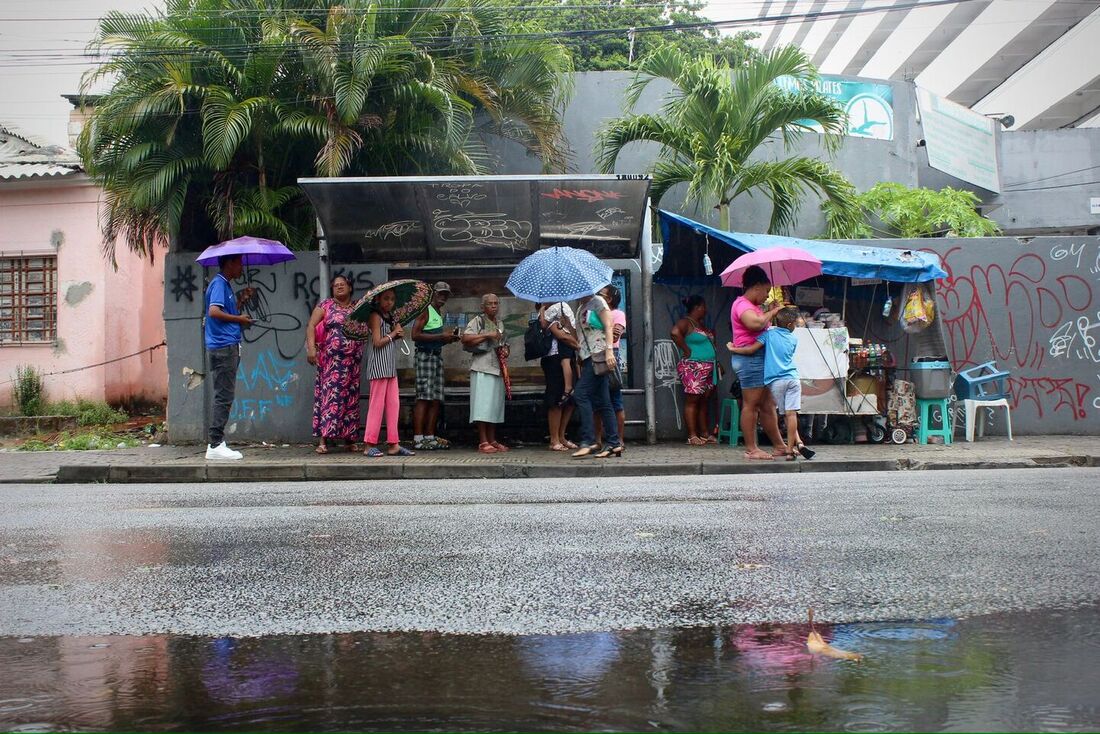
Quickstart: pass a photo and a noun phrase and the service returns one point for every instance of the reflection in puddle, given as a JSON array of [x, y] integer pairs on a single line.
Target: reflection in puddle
[[1029, 671]]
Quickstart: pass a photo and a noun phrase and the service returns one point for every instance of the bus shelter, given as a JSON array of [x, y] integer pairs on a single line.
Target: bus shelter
[[471, 231]]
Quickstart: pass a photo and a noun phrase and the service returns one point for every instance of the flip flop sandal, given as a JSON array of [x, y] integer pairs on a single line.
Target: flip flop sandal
[[696, 441], [570, 445], [486, 448], [374, 453], [321, 450], [501, 448], [401, 451], [558, 447], [710, 440]]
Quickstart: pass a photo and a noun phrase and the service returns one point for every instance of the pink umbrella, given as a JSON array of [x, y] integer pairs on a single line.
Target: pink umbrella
[[784, 266]]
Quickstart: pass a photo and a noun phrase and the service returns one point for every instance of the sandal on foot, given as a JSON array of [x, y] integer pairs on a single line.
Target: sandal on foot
[[759, 456], [501, 448], [374, 452], [558, 447], [321, 449], [695, 441], [570, 445], [710, 440], [401, 451], [486, 448]]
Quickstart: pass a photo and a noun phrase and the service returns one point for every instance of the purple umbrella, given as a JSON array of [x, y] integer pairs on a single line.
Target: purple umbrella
[[253, 251]]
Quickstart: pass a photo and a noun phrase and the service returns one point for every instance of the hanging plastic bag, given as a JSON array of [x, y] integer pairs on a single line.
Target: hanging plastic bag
[[919, 310]]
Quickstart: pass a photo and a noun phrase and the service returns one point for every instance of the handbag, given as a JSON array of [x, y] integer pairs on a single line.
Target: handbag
[[319, 336], [600, 366]]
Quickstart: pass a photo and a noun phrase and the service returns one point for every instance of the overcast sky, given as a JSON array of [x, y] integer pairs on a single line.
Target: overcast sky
[[40, 40]]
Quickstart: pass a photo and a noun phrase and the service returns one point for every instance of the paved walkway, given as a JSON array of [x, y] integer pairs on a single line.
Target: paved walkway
[[291, 463]]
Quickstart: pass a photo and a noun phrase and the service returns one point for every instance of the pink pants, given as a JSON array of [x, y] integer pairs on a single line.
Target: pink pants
[[383, 398]]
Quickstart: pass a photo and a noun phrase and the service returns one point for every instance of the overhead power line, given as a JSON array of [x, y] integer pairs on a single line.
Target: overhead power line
[[581, 33]]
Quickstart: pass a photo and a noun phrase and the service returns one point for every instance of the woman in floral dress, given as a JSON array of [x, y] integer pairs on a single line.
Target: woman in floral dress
[[339, 362]]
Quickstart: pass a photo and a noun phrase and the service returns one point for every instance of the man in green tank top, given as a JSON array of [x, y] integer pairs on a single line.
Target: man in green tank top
[[430, 337]]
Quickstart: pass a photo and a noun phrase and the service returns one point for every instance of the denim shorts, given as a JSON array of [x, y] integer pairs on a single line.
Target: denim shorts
[[749, 369]]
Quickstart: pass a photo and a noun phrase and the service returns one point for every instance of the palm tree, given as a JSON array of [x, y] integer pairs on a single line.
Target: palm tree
[[717, 117], [216, 107]]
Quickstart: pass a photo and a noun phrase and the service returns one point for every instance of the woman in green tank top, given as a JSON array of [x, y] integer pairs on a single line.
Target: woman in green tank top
[[698, 369]]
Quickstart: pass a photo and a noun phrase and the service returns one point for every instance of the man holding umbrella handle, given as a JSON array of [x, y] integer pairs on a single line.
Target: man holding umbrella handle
[[222, 333]]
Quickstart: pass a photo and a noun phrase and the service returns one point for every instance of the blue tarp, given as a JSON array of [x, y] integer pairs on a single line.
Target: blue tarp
[[848, 260]]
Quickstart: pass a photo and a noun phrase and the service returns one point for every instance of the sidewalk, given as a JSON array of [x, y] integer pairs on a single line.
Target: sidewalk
[[299, 463]]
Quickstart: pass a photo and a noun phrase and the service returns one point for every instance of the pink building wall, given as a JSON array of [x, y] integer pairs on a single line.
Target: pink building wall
[[101, 313]]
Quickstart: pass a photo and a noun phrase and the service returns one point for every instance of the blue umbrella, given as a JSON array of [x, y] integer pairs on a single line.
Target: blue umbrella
[[558, 274]]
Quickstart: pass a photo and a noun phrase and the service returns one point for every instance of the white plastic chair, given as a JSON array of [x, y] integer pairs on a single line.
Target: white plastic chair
[[974, 418]]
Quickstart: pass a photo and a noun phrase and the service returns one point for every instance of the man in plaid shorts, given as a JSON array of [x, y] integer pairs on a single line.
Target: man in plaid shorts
[[430, 338]]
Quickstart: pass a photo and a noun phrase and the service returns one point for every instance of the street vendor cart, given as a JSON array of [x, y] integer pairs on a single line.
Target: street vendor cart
[[856, 339]]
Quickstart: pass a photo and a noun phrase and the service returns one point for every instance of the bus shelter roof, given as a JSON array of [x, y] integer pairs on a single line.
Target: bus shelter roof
[[477, 219]]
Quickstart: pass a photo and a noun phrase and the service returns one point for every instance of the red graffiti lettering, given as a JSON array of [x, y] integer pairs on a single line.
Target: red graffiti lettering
[[1025, 304], [1070, 394], [589, 195], [1016, 314]]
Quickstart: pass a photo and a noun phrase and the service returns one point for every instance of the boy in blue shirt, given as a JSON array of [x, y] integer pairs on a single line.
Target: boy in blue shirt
[[222, 333], [781, 374]]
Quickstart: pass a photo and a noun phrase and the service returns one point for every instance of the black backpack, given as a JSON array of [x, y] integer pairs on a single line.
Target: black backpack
[[537, 341]]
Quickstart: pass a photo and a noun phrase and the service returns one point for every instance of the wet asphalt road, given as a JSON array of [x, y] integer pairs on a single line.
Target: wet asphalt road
[[529, 556]]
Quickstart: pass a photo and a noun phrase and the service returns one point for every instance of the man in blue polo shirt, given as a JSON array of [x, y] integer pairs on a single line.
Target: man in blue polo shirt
[[222, 332]]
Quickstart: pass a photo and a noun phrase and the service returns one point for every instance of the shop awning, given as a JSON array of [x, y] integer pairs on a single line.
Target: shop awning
[[502, 219], [843, 259]]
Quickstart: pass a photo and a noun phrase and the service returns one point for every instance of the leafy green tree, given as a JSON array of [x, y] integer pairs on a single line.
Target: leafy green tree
[[612, 51], [217, 106], [717, 117], [912, 212]]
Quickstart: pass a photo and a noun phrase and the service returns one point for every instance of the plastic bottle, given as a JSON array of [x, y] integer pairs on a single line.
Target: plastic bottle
[[708, 268], [887, 307]]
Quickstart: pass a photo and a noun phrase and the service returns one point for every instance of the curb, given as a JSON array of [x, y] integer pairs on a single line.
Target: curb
[[367, 471]]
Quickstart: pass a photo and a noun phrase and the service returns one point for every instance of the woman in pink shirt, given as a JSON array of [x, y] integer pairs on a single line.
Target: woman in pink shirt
[[749, 321]]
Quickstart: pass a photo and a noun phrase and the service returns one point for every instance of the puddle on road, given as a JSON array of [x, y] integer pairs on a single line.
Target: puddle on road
[[1032, 671]]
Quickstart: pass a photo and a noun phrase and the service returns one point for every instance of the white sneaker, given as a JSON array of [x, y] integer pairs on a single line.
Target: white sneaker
[[222, 452]]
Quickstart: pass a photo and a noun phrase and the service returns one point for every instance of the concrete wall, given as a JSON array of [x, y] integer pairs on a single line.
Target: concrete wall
[[598, 99], [1048, 177], [101, 313]]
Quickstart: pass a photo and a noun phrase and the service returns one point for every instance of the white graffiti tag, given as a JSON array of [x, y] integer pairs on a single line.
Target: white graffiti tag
[[1080, 339], [393, 229], [489, 230], [666, 355]]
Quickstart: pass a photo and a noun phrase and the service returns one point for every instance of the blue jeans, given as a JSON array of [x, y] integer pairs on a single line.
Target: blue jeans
[[592, 395]]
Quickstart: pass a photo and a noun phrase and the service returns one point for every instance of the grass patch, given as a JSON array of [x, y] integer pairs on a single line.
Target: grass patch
[[84, 441], [88, 412]]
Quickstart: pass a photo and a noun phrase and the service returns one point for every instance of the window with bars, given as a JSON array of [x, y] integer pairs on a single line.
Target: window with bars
[[28, 299]]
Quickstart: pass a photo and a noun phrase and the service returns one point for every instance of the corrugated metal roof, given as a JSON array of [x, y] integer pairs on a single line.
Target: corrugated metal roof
[[24, 156]]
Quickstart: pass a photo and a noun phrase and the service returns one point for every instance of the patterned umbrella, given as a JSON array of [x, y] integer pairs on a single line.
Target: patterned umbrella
[[558, 274], [412, 297]]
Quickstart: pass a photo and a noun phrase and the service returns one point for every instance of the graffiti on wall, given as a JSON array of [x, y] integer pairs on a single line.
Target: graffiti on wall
[[1034, 314], [183, 284], [666, 355], [264, 382]]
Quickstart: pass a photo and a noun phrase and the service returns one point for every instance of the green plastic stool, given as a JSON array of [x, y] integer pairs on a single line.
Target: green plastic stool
[[732, 429], [925, 429]]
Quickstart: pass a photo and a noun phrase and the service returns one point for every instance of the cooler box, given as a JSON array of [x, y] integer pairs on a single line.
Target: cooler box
[[932, 379]]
